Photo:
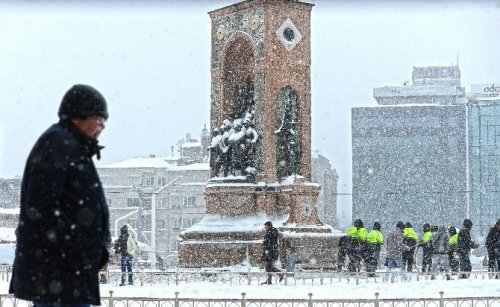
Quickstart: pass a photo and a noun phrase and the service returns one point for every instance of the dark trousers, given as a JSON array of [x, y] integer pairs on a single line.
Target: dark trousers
[[493, 262], [373, 253], [409, 260], [126, 266], [426, 260], [465, 265], [454, 263], [269, 266], [341, 257]]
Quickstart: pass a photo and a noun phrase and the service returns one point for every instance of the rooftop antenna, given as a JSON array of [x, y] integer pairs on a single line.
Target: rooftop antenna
[[457, 59]]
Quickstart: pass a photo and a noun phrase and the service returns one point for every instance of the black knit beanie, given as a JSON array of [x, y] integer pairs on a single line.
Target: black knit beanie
[[81, 101]]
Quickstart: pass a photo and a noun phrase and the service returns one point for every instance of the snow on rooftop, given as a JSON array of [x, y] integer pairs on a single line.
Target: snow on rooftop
[[13, 211], [169, 163], [7, 234], [191, 144]]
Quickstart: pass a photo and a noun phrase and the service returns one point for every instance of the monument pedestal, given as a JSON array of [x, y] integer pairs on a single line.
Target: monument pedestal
[[231, 233]]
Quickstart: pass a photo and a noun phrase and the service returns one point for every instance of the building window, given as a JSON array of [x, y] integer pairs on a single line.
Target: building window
[[161, 224], [133, 202], [177, 201], [176, 223], [161, 246], [190, 201], [146, 224], [162, 202], [188, 222], [149, 182], [162, 181], [174, 246], [134, 181]]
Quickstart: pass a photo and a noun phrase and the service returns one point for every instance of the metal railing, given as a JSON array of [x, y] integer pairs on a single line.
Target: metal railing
[[177, 301], [305, 277], [319, 277]]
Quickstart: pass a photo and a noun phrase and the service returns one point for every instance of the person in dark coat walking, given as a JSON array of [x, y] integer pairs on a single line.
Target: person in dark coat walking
[[63, 230], [270, 251], [464, 245], [493, 247]]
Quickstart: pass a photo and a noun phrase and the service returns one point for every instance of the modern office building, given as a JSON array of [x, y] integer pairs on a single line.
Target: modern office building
[[484, 156], [410, 152]]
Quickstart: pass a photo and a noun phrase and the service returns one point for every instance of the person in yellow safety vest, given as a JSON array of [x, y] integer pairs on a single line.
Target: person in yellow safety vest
[[374, 240], [410, 239], [356, 235], [452, 252], [426, 248]]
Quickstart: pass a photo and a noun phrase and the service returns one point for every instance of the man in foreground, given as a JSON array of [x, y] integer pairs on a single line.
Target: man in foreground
[[63, 229]]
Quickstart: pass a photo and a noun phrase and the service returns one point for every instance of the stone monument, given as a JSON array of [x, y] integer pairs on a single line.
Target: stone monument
[[260, 153]]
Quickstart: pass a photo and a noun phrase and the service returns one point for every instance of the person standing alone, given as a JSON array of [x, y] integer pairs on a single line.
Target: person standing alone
[[63, 230], [270, 251], [127, 247], [464, 245]]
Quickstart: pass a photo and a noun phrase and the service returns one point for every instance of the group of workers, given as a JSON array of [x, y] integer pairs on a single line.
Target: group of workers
[[442, 247]]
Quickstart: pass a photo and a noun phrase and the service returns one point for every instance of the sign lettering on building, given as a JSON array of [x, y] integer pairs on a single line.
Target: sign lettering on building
[[487, 88]]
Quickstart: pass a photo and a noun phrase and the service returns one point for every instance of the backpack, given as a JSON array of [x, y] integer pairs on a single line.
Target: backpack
[[132, 246]]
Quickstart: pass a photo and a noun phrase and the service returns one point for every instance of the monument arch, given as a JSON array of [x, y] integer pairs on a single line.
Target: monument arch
[[238, 60]]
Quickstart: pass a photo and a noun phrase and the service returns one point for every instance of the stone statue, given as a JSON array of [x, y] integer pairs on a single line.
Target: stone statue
[[288, 139]]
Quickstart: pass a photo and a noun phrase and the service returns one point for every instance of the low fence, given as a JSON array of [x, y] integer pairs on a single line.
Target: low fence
[[177, 301], [298, 278], [318, 277]]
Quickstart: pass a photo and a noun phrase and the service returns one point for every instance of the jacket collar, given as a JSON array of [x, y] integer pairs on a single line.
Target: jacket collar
[[90, 146]]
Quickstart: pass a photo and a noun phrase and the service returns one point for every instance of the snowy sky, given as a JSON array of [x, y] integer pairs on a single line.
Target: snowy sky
[[151, 60]]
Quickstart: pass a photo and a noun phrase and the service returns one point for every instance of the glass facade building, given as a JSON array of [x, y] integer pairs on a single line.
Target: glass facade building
[[409, 164], [484, 163]]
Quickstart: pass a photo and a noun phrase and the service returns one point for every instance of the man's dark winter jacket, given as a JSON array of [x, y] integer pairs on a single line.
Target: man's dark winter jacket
[[465, 242], [493, 242], [63, 226], [271, 250]]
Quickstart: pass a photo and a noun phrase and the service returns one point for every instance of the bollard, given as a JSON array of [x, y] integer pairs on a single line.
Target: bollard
[[441, 299], [111, 300], [243, 301], [310, 303], [377, 302], [176, 302]]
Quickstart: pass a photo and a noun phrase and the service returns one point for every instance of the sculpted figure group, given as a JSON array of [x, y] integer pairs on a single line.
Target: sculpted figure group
[[232, 150]]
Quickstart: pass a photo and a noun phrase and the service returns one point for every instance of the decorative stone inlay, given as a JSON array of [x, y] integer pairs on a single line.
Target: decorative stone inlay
[[288, 34], [254, 23], [221, 32]]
